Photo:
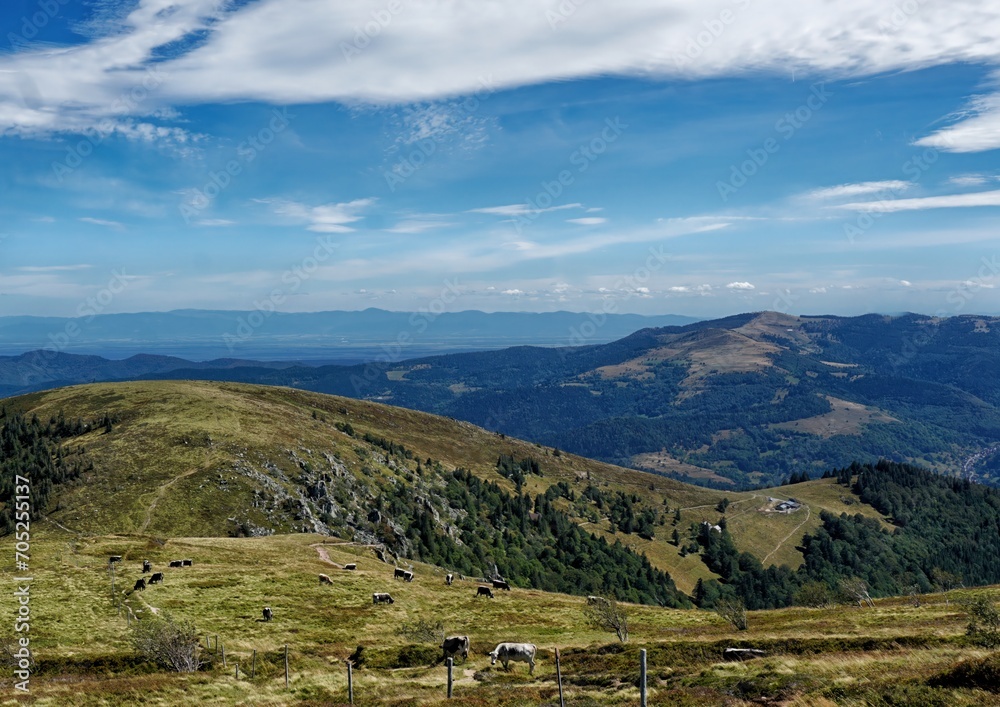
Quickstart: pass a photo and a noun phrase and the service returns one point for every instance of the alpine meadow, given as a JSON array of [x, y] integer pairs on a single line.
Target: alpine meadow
[[532, 353]]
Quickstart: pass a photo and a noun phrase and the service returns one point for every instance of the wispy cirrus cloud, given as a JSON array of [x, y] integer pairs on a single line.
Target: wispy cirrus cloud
[[54, 268], [243, 53], [514, 210], [949, 201], [325, 218], [859, 188], [102, 222]]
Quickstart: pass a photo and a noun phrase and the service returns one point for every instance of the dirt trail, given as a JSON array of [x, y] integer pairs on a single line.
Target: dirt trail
[[159, 495], [325, 556], [785, 539]]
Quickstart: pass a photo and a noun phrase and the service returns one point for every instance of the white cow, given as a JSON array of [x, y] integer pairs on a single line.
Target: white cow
[[514, 652]]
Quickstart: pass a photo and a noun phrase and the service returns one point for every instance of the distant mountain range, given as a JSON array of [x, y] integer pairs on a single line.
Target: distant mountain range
[[743, 401], [342, 337]]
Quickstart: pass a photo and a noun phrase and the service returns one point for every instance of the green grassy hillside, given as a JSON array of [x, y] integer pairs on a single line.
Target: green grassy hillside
[[211, 459], [890, 654]]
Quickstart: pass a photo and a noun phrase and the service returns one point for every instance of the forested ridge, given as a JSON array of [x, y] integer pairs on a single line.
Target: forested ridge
[[946, 531]]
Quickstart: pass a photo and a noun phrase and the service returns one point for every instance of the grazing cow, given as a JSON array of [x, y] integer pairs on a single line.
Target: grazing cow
[[407, 576], [350, 566], [140, 585], [448, 579], [381, 598], [456, 644], [514, 652], [399, 573], [482, 591], [147, 566], [268, 614], [592, 600], [501, 584], [157, 578], [323, 579], [187, 563], [114, 558], [176, 563]]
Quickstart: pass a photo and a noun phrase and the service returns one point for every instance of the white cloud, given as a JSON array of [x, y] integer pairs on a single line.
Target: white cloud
[[305, 51], [679, 288], [215, 222], [982, 198], [327, 218], [740, 286], [977, 129], [521, 209], [513, 292], [905, 283], [101, 222], [818, 290], [418, 226], [587, 220], [54, 268], [847, 190], [968, 180]]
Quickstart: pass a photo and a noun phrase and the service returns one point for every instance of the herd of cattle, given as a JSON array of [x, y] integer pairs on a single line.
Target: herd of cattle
[[147, 568], [407, 576], [453, 645]]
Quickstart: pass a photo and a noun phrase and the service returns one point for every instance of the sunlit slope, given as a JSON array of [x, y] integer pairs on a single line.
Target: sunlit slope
[[217, 459]]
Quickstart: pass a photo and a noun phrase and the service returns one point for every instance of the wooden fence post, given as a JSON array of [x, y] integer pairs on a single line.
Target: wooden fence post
[[237, 670], [224, 657], [286, 665], [253, 665], [451, 663], [350, 683], [642, 677], [562, 701]]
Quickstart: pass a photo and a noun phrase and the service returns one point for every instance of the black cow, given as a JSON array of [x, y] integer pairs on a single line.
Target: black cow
[[140, 585], [187, 563], [157, 578], [448, 579], [501, 584], [268, 614], [176, 563], [382, 598], [399, 573], [114, 558], [147, 566], [456, 644], [482, 591], [407, 576], [350, 566]]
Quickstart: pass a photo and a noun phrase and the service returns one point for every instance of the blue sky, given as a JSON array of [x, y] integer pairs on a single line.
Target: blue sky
[[700, 158]]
